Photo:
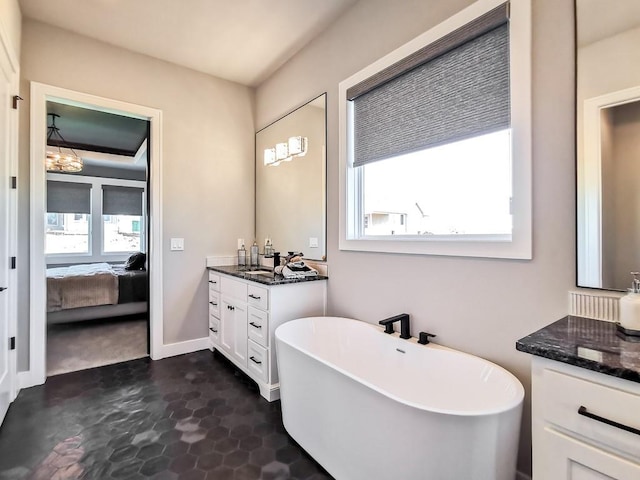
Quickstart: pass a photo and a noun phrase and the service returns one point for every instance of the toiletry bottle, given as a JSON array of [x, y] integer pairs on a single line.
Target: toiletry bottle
[[268, 249], [630, 306], [254, 254], [242, 257]]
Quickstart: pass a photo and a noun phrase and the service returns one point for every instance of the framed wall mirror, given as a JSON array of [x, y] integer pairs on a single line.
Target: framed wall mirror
[[608, 142], [291, 182]]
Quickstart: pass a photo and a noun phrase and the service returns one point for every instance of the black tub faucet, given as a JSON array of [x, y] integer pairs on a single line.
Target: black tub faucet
[[404, 324]]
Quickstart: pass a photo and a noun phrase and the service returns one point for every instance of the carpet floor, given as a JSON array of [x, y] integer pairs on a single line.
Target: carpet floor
[[95, 343]]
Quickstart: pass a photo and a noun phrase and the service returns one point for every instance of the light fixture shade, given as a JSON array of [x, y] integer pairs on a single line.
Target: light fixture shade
[[297, 146], [269, 156], [59, 162], [282, 151]]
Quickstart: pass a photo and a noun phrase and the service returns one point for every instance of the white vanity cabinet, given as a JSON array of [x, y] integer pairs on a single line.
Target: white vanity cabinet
[[579, 421], [244, 314]]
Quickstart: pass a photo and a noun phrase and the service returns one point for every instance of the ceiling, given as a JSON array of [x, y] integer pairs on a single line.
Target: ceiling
[[244, 41], [100, 138], [599, 19]]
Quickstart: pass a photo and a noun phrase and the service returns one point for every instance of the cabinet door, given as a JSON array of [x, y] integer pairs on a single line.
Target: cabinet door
[[233, 338], [227, 327], [240, 333], [565, 457]]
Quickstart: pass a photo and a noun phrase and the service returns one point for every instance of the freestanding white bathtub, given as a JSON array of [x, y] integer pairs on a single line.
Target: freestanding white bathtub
[[367, 405]]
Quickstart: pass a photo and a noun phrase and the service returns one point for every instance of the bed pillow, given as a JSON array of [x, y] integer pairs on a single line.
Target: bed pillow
[[136, 261]]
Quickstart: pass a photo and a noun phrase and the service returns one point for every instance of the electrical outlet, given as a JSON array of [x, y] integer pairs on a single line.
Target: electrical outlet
[[313, 242], [240, 243], [177, 244]]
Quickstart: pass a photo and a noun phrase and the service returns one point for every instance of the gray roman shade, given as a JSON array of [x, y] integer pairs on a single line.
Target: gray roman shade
[[68, 197], [121, 200], [452, 89]]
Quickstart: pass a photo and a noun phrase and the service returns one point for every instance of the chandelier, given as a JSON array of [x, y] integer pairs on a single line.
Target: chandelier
[[60, 161]]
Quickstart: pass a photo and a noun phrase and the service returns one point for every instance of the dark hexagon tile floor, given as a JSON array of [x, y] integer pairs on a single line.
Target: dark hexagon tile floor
[[182, 418]]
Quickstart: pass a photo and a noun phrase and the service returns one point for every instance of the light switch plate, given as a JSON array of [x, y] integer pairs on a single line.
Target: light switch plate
[[177, 244], [313, 242]]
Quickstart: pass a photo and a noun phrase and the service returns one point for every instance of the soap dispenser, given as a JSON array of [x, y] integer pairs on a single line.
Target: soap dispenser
[[254, 254], [242, 256], [630, 308]]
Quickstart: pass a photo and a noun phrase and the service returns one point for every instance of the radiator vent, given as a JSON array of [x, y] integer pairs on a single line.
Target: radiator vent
[[595, 305]]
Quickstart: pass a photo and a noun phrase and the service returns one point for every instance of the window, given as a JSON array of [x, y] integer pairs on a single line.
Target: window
[[67, 223], [435, 141], [94, 217], [121, 218]]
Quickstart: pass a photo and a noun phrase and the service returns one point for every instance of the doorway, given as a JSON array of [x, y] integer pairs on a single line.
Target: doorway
[[96, 232], [40, 95]]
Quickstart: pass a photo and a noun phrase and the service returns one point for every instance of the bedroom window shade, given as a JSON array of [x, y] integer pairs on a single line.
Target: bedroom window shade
[[121, 200], [450, 90], [68, 197]]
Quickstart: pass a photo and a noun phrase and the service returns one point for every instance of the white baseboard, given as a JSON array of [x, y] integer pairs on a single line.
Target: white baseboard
[[25, 380], [522, 476], [173, 349]]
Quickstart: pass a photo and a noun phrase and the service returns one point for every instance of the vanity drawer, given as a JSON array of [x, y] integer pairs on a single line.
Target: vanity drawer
[[214, 330], [572, 394], [258, 297], [258, 361], [234, 289], [214, 282], [258, 326], [214, 303]]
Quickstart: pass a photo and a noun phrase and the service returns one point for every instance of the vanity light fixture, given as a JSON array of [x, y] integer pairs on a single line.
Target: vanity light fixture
[[285, 151], [60, 161], [297, 146], [269, 156]]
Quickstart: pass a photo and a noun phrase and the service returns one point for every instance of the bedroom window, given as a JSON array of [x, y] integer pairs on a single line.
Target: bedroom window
[[122, 220], [68, 219], [435, 141]]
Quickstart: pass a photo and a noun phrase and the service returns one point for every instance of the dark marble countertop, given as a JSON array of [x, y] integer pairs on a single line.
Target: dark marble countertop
[[269, 278], [587, 343]]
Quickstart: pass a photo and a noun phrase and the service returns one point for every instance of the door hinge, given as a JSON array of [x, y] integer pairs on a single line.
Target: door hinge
[[16, 99], [12, 343], [13, 263], [14, 183]]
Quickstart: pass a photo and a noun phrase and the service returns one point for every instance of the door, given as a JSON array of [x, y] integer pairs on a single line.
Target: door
[[6, 143]]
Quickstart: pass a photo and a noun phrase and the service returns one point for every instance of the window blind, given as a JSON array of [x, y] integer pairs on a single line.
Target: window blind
[[68, 197], [452, 89], [118, 200]]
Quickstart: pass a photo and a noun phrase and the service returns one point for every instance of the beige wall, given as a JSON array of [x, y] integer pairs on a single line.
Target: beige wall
[[11, 24], [208, 137], [480, 306]]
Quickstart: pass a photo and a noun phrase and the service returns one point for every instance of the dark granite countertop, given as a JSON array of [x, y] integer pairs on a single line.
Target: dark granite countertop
[[587, 343], [269, 278]]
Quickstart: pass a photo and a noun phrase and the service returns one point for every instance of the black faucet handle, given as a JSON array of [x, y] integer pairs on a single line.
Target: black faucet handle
[[423, 337]]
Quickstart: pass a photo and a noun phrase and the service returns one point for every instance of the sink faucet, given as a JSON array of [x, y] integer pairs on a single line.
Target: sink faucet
[[404, 324]]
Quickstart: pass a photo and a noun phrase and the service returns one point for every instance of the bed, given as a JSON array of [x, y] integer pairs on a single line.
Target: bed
[[96, 290]]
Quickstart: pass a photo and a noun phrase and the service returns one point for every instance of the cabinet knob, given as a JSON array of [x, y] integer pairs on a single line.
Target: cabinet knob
[[255, 361], [255, 325], [255, 297], [214, 331]]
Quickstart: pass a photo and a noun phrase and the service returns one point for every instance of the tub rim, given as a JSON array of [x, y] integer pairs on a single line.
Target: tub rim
[[514, 403]]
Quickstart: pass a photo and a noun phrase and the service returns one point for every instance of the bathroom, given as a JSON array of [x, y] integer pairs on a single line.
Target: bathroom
[[477, 305]]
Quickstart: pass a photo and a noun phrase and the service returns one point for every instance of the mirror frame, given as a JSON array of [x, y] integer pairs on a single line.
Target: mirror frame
[[324, 172]]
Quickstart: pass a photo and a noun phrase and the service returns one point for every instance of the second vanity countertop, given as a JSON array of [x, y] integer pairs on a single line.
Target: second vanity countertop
[[269, 278], [592, 344]]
